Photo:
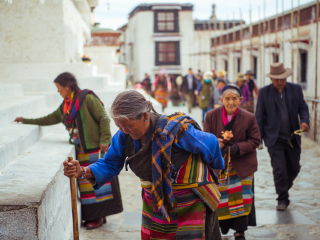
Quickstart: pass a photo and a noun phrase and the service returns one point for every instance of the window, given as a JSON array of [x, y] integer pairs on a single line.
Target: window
[[238, 65], [255, 67], [303, 69], [226, 65], [167, 53], [166, 21], [275, 57]]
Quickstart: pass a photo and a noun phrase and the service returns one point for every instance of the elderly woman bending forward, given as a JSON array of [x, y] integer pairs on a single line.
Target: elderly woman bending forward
[[173, 158], [236, 208]]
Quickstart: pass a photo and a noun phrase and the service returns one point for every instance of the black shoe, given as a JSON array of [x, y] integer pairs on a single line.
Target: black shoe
[[239, 238], [224, 231], [281, 207]]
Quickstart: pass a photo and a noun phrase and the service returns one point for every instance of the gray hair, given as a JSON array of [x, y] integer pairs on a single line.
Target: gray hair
[[230, 90], [130, 105]]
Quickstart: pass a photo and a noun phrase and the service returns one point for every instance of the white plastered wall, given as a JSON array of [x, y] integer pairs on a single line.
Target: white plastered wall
[[101, 56], [34, 32], [307, 32]]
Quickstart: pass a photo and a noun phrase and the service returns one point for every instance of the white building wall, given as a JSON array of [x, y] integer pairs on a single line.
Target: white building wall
[[140, 33], [186, 29], [102, 56], [195, 46], [76, 31], [28, 26], [306, 32], [144, 45], [201, 57]]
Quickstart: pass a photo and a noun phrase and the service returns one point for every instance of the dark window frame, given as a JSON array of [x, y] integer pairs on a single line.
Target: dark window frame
[[255, 66], [238, 65], [226, 65], [275, 57], [303, 69], [175, 21], [177, 52]]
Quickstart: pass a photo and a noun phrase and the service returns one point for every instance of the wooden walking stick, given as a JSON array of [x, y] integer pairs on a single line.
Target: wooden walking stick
[[74, 205]]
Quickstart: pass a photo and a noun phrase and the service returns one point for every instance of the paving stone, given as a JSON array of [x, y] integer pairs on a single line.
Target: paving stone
[[315, 214], [296, 232], [282, 217], [132, 218], [305, 184], [262, 233]]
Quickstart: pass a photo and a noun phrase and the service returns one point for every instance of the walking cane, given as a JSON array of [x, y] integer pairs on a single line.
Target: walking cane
[[74, 205]]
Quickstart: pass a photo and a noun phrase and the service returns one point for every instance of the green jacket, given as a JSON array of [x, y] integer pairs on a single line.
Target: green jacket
[[94, 118], [205, 94]]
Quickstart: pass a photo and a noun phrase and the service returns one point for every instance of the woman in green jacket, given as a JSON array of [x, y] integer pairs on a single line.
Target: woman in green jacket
[[88, 124], [205, 89]]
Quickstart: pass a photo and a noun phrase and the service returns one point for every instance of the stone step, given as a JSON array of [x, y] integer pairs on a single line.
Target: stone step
[[16, 137], [45, 70], [10, 108], [54, 99], [34, 194], [40, 85], [8, 91]]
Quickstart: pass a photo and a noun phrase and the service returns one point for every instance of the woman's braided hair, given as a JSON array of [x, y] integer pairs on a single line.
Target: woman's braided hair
[[67, 78]]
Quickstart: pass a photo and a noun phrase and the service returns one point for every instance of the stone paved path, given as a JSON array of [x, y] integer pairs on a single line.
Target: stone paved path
[[300, 222]]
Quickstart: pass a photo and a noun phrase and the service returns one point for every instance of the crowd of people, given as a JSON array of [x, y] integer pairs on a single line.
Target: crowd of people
[[196, 184], [201, 90]]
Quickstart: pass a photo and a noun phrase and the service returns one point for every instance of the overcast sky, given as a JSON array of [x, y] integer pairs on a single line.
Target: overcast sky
[[117, 15]]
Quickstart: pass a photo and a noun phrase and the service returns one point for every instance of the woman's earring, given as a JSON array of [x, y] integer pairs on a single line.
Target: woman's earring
[[145, 120], [67, 88]]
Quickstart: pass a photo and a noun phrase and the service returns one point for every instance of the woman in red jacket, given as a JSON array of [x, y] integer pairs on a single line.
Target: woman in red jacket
[[238, 134]]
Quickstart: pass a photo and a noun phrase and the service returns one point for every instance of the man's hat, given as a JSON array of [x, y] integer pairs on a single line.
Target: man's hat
[[241, 77], [249, 72], [222, 73], [179, 80], [277, 71]]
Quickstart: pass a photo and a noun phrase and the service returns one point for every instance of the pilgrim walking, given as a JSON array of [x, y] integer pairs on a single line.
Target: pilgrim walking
[[188, 88], [238, 134], [253, 89], [244, 88], [279, 107], [89, 129], [205, 89], [173, 158], [162, 86]]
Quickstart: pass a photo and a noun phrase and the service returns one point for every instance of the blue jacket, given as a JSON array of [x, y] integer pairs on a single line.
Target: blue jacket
[[268, 116], [193, 140]]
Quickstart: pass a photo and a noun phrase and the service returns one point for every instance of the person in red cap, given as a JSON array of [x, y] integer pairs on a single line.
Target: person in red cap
[[279, 107]]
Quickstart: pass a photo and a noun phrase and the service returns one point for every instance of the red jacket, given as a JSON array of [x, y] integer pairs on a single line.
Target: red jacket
[[246, 136]]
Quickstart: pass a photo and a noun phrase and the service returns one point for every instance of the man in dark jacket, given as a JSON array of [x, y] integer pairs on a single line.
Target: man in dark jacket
[[188, 88], [146, 83], [278, 107]]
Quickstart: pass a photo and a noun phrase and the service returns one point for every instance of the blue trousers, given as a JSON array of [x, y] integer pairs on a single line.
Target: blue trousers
[[204, 111]]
